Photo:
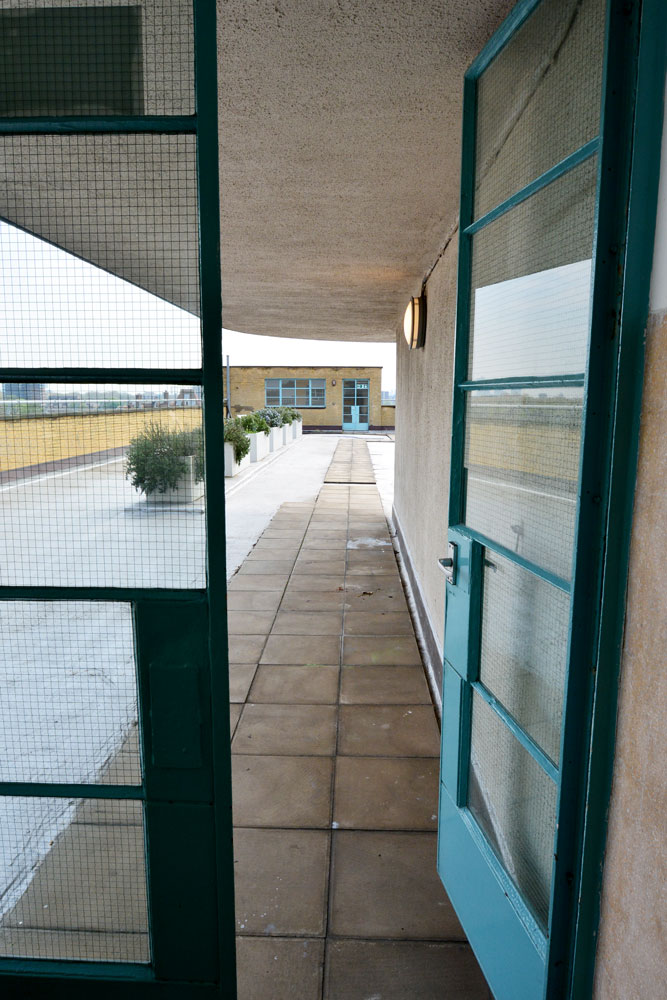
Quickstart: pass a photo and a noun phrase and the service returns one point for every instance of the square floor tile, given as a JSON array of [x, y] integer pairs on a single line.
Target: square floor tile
[[253, 600], [378, 623], [262, 567], [322, 554], [251, 581], [385, 885], [281, 791], [398, 970], [308, 623], [245, 648], [276, 684], [250, 622], [287, 730], [388, 731], [281, 881], [386, 793], [303, 600], [234, 716], [321, 543], [335, 565], [313, 581], [301, 649], [387, 650], [384, 686], [279, 968], [240, 679]]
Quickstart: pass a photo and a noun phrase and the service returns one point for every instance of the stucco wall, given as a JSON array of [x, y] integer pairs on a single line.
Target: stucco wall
[[247, 391], [423, 430], [632, 949]]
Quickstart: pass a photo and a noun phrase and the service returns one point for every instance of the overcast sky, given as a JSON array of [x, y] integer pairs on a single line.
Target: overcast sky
[[57, 310]]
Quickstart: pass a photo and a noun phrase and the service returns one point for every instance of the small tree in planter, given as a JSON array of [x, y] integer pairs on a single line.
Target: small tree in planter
[[166, 465], [259, 432], [274, 419], [237, 446]]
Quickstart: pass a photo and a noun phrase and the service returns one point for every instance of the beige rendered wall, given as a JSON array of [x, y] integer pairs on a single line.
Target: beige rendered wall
[[632, 948], [247, 391], [423, 429]]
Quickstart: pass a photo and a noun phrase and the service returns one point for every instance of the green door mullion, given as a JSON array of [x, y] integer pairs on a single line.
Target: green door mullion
[[66, 790], [526, 382], [526, 741], [544, 574], [125, 376], [100, 124]]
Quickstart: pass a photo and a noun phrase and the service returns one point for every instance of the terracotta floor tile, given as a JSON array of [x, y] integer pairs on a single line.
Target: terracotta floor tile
[[286, 730], [388, 731], [281, 791], [281, 881], [402, 970], [253, 600], [308, 623], [385, 885], [378, 623], [388, 650], [279, 968], [293, 685], [384, 686], [301, 649], [240, 679], [250, 622], [246, 648], [380, 793]]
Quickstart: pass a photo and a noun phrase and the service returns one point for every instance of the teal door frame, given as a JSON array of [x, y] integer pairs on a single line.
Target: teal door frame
[[506, 937], [180, 645], [355, 423]]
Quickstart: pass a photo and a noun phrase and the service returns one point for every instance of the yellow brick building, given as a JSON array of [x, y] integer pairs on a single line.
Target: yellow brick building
[[328, 398]]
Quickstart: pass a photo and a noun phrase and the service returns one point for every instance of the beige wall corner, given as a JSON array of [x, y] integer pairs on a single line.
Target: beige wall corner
[[423, 432]]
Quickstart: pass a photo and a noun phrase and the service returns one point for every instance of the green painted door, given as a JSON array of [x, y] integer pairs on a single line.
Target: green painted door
[[116, 874], [540, 278], [355, 404]]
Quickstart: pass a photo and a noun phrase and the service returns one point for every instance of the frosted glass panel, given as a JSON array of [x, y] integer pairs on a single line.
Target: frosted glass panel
[[524, 647], [539, 100], [514, 802], [522, 468]]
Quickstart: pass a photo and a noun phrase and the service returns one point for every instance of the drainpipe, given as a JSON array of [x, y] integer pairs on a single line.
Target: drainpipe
[[229, 396]]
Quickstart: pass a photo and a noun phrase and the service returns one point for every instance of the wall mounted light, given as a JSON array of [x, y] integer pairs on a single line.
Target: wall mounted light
[[333, 381], [414, 322]]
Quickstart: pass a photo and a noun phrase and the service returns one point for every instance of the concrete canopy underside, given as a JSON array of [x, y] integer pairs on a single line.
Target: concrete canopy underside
[[340, 130]]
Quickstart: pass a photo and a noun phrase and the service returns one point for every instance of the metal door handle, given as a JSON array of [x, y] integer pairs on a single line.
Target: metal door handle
[[448, 563]]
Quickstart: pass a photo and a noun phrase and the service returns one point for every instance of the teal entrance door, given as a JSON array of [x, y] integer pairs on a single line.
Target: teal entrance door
[[545, 182], [355, 404]]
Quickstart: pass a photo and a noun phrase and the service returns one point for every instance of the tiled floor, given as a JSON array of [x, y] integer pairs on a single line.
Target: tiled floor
[[335, 776], [335, 765]]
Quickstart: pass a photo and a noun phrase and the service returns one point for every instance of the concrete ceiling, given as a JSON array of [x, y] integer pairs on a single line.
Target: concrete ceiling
[[340, 145]]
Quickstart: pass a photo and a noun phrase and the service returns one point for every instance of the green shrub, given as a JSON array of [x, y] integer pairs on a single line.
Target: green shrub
[[294, 414], [287, 414], [235, 434], [154, 460], [253, 423], [272, 415]]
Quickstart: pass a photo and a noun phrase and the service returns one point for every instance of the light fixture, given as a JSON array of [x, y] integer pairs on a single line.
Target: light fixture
[[414, 322]]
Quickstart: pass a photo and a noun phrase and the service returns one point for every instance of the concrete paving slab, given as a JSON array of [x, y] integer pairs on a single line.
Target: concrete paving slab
[[279, 968], [285, 792]]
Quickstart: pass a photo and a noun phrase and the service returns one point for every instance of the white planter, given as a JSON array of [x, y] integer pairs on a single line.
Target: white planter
[[286, 431], [298, 429], [232, 468], [276, 438], [259, 446], [187, 489]]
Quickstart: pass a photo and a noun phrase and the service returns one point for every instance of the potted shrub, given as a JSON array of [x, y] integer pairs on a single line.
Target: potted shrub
[[296, 422], [258, 431], [237, 447], [272, 415], [167, 466]]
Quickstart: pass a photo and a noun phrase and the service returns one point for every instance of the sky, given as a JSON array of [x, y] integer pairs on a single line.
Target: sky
[[59, 311]]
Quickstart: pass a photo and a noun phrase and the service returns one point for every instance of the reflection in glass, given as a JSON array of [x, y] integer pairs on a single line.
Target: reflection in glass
[[522, 468], [514, 802], [524, 647]]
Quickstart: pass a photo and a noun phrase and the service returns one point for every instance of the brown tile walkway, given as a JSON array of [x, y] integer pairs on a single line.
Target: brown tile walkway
[[335, 765], [335, 776]]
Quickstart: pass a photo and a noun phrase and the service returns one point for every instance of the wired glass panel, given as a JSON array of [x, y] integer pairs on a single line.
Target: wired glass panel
[[78, 58], [73, 879], [100, 248], [101, 485], [539, 100], [514, 802]]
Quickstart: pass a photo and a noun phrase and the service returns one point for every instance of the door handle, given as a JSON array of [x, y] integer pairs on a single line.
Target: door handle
[[448, 563]]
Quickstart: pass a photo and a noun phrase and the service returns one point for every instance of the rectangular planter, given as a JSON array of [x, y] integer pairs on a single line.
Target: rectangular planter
[[276, 438], [187, 490], [298, 429], [232, 468], [259, 446], [286, 431]]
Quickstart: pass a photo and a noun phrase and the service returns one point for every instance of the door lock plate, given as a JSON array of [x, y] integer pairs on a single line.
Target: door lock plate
[[448, 564]]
